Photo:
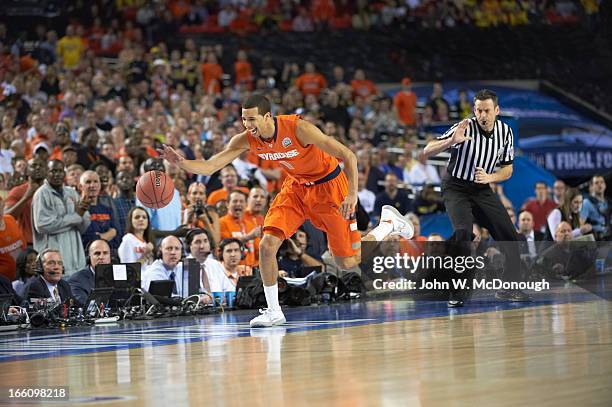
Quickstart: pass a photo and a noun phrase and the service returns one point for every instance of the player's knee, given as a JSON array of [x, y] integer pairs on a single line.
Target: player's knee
[[269, 245], [348, 262]]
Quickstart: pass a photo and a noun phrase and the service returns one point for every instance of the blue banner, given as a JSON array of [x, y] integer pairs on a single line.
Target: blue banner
[[572, 161]]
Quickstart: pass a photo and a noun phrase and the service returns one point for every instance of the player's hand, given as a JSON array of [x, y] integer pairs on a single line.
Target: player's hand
[[348, 206], [459, 134], [168, 153], [481, 177]]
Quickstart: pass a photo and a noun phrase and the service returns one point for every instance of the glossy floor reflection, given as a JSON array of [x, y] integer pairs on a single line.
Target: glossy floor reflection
[[557, 351]]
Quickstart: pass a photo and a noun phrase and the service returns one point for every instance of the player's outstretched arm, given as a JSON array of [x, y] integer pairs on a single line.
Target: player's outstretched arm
[[308, 133], [236, 146]]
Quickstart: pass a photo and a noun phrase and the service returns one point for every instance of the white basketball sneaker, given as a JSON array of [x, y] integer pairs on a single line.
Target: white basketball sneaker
[[401, 225], [268, 318]]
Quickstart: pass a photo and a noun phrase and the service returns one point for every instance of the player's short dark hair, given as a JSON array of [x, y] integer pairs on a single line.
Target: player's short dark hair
[[260, 102], [484, 94]]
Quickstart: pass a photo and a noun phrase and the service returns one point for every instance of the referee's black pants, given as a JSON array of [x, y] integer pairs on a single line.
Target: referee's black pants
[[468, 202]]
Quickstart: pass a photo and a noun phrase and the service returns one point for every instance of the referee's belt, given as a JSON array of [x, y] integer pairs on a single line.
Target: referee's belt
[[326, 178]]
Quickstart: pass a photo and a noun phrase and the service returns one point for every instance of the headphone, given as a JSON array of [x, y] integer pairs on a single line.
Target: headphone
[[193, 233], [39, 260], [230, 240], [158, 252]]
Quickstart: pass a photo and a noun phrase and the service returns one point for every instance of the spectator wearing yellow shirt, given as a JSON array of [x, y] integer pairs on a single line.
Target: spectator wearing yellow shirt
[[69, 49]]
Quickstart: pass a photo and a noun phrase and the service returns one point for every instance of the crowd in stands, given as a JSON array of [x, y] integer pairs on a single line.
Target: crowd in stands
[[78, 131]]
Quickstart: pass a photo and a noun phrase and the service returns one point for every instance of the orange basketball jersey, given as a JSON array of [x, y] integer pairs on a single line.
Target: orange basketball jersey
[[305, 164]]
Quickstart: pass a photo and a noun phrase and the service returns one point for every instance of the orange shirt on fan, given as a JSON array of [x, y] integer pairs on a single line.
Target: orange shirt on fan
[[11, 243], [244, 73], [221, 195], [231, 227], [405, 103], [363, 88], [311, 83], [211, 74]]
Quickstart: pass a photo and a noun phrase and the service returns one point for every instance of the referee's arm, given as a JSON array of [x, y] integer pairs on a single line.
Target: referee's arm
[[504, 172], [458, 136]]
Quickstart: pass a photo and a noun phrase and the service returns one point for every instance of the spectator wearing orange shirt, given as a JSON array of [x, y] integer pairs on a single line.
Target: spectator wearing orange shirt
[[19, 199], [236, 225], [211, 74], [310, 82], [229, 180], [404, 103], [361, 86], [243, 70], [323, 11], [11, 244]]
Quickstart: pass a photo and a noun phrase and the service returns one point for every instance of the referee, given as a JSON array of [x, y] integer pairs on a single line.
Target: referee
[[481, 152]]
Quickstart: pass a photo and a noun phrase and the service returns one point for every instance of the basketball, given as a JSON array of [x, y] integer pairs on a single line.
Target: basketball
[[155, 189]]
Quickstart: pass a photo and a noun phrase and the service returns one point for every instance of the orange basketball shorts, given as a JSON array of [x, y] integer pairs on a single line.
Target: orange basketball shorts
[[320, 203]]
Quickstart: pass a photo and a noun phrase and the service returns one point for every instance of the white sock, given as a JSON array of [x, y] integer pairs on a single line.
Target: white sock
[[382, 230], [272, 297]]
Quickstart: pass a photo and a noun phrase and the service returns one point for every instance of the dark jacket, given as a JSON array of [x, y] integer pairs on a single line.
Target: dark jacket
[[37, 288], [82, 283]]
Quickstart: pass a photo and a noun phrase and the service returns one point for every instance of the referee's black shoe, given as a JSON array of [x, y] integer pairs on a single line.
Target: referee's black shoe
[[512, 295]]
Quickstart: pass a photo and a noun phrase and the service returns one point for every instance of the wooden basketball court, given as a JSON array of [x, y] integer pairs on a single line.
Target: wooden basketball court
[[554, 351]]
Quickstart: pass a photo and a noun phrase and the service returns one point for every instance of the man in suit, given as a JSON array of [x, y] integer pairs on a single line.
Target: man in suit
[[532, 237], [49, 283], [7, 288], [83, 282]]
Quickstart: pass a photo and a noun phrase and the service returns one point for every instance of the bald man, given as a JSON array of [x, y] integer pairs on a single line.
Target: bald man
[[168, 265]]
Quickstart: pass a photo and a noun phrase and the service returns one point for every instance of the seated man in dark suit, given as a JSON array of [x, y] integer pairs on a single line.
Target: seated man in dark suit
[[84, 281], [49, 283], [532, 237]]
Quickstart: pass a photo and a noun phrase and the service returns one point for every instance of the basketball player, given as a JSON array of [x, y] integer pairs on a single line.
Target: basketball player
[[316, 189]]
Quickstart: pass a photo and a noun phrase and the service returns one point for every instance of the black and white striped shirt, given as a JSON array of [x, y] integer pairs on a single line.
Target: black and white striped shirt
[[486, 150]]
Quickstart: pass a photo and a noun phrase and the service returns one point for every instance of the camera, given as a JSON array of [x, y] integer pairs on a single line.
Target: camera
[[198, 209]]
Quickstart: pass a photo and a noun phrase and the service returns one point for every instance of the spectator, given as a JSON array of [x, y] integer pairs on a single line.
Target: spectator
[[255, 211], [231, 255], [88, 153], [19, 200], [70, 48], [596, 208], [212, 274], [436, 100], [211, 75], [73, 175], [428, 201], [559, 189], [293, 256], [49, 284], [236, 225], [302, 22], [59, 218], [243, 72], [229, 180], [422, 172], [167, 266], [404, 104], [540, 206], [83, 282], [532, 236], [569, 212], [168, 218], [198, 214], [137, 243], [26, 269], [361, 86], [11, 244], [102, 225], [125, 201], [310, 82], [366, 197], [392, 196]]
